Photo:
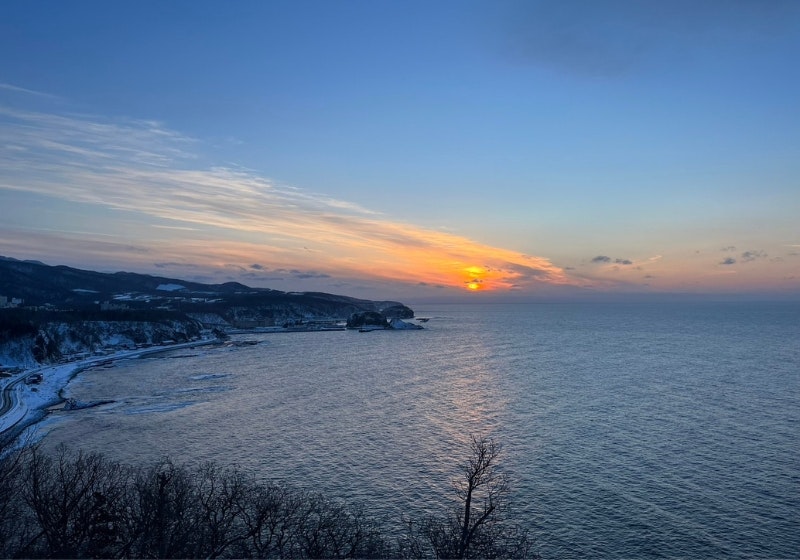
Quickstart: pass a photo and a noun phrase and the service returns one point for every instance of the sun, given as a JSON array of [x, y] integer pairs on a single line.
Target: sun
[[474, 278]]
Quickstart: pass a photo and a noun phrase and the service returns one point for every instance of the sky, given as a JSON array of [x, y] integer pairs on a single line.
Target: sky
[[453, 151]]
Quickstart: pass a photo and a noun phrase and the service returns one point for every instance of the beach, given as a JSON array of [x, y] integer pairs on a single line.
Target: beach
[[24, 404]]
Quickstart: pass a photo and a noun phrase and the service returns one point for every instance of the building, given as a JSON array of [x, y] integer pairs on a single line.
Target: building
[[5, 302]]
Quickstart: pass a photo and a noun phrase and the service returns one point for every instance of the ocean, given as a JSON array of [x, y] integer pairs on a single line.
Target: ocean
[[628, 430]]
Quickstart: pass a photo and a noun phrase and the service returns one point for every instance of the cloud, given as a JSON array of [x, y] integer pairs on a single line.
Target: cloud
[[232, 215], [729, 248], [49, 245], [182, 228], [26, 91], [749, 256], [282, 273], [606, 259], [728, 261], [176, 265], [307, 275]]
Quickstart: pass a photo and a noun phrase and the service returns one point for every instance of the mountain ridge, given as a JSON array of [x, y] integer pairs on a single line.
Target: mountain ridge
[[52, 313], [39, 284]]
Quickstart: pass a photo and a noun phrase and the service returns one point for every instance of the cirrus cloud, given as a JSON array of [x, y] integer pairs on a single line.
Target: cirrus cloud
[[222, 216]]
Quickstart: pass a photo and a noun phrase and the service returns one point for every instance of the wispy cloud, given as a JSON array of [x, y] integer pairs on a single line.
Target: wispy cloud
[[26, 91], [149, 171], [179, 228], [749, 256]]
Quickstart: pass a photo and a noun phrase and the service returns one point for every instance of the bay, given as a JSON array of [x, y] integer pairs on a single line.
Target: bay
[[629, 430]]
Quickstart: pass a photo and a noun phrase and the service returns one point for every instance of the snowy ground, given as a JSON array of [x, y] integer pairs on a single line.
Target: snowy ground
[[31, 401]]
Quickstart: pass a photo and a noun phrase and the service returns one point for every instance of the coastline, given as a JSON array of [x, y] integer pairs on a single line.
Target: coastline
[[24, 405], [28, 403]]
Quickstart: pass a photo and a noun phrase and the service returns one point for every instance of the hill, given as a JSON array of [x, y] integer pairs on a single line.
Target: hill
[[47, 312], [65, 288]]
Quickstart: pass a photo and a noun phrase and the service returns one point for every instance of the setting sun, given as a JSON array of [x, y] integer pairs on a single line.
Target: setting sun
[[474, 278]]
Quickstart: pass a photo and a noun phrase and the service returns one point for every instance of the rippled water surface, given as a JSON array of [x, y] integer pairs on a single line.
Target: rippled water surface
[[641, 430]]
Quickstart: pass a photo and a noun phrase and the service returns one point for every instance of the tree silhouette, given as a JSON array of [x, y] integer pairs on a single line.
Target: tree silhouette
[[78, 505], [480, 527]]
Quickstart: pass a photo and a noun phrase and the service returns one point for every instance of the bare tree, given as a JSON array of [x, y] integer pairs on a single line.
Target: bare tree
[[79, 505], [483, 485], [13, 529], [219, 495], [480, 527], [75, 502], [163, 519], [269, 512], [332, 530]]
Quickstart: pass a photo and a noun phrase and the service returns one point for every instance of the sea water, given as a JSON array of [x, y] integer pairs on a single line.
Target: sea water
[[628, 431]]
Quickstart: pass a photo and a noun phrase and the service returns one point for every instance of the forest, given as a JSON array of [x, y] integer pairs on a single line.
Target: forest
[[70, 504]]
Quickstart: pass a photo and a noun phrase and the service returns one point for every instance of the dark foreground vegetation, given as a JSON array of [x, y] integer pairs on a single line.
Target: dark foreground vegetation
[[77, 505]]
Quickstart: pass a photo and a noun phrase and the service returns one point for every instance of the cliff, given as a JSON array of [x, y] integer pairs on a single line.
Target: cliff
[[58, 341]]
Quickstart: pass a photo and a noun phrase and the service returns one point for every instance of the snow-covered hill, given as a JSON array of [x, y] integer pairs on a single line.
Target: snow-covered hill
[[55, 342]]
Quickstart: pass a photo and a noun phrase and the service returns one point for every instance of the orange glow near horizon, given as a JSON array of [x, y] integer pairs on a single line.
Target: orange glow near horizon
[[475, 276], [130, 195], [231, 223]]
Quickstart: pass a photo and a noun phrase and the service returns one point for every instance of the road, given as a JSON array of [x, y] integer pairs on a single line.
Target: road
[[8, 400]]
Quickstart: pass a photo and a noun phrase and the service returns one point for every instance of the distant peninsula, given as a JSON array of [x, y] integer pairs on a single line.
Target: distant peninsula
[[49, 313]]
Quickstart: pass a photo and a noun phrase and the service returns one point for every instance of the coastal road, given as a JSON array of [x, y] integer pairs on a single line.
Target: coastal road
[[8, 398]]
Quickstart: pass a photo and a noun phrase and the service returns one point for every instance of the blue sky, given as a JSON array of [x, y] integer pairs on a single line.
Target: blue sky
[[410, 149]]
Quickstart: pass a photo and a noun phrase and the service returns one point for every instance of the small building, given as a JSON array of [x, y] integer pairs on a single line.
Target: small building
[[6, 302]]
